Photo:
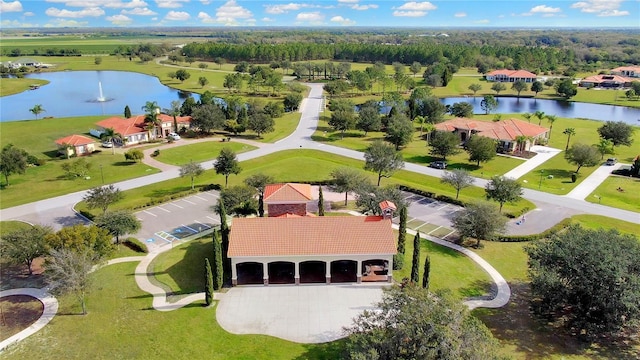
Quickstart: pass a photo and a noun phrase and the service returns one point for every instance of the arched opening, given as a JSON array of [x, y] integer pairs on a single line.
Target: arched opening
[[282, 272], [375, 270], [344, 271], [250, 273], [313, 272]]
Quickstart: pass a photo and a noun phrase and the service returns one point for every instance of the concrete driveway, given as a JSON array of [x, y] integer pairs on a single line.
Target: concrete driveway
[[303, 314]]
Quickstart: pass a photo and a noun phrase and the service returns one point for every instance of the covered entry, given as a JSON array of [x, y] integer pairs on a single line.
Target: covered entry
[[313, 272], [375, 270], [250, 273], [344, 271], [282, 272]]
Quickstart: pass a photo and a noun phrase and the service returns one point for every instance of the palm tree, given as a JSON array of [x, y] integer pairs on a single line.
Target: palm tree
[[527, 116], [428, 129], [36, 110], [569, 132], [540, 115], [551, 119], [151, 110], [420, 120], [174, 111], [109, 135], [521, 140]]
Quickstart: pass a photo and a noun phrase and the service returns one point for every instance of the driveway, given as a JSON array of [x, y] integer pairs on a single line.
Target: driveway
[[303, 314]]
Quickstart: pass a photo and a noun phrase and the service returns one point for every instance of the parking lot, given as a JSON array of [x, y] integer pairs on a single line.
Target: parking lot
[[168, 224], [430, 216]]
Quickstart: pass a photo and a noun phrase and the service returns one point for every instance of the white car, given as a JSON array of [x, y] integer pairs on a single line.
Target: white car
[[173, 136], [107, 144]]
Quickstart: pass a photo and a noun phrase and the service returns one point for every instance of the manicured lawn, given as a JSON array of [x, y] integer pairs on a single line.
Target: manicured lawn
[[602, 222], [122, 325], [284, 126], [10, 86], [181, 270], [199, 152], [608, 194], [11, 226]]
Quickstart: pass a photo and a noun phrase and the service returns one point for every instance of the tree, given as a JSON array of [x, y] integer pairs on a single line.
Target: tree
[[69, 272], [589, 279], [342, 120], [488, 104], [432, 109], [604, 147], [97, 60], [151, 110], [475, 88], [527, 116], [174, 111], [240, 200], [630, 94], [461, 109], [382, 159], [503, 189], [77, 169], [12, 161], [203, 81], [399, 131], [292, 101], [444, 143], [566, 88], [480, 221], [346, 179], [219, 61], [134, 155], [618, 132], [127, 112], [81, 239], [369, 118], [24, 245], [537, 87], [402, 230], [182, 75], [413, 323], [415, 68], [259, 182], [208, 117], [227, 164], [218, 265], [540, 115], [569, 132], [481, 149], [520, 86], [582, 155], [498, 86], [415, 262], [191, 170], [551, 119], [118, 223], [224, 236], [426, 272], [457, 178], [102, 196], [260, 123], [203, 66], [320, 202], [369, 196], [208, 278], [37, 110]]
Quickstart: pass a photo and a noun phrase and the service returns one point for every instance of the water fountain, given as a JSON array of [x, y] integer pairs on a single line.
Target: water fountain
[[101, 97]]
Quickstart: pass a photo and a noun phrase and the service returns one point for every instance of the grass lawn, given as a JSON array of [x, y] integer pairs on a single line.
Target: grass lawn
[[11, 226], [199, 152], [122, 325], [10, 86], [284, 126], [181, 269], [607, 193], [602, 222]]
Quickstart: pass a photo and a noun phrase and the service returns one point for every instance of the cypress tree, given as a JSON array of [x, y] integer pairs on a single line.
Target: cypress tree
[[415, 263], [218, 272], [208, 287], [427, 271], [224, 232], [127, 112], [402, 232], [320, 203]]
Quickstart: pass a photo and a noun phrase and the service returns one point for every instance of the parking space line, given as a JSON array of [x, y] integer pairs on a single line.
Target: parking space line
[[209, 217], [211, 194], [200, 197], [158, 207], [418, 228], [150, 213], [176, 205], [190, 202], [203, 224], [452, 231], [429, 233], [438, 209], [190, 228]]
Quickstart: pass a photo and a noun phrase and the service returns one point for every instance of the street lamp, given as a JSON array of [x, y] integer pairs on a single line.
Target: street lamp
[[541, 177], [101, 174]]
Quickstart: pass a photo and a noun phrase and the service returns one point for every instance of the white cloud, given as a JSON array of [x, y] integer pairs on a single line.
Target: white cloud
[[267, 19], [483, 21], [348, 1], [66, 23], [284, 8], [205, 18], [16, 24], [460, 15], [342, 21], [417, 6], [544, 9], [140, 12], [10, 6], [95, 11], [115, 4], [311, 17], [29, 13], [613, 13], [364, 7], [119, 19], [177, 16], [231, 10], [598, 6], [170, 4], [409, 13]]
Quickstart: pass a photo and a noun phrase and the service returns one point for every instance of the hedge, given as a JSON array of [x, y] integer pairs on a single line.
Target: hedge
[[545, 234], [135, 245]]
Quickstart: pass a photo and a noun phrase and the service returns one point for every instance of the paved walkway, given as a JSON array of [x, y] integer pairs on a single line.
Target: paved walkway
[[543, 154], [588, 185]]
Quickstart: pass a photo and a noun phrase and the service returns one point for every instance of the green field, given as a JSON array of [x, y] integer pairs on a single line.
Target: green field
[[10, 86], [608, 194], [199, 152]]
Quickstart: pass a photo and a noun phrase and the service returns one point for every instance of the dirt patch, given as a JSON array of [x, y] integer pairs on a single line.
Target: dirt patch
[[13, 276], [18, 312]]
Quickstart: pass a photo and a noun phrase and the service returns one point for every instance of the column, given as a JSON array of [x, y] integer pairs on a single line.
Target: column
[[328, 272], [265, 273], [296, 275], [390, 269], [234, 273], [359, 271]]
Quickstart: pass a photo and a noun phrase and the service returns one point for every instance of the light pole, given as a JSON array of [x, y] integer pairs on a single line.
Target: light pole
[[101, 174], [541, 177]]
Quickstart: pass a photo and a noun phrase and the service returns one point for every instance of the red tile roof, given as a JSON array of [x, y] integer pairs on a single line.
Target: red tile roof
[[627, 68], [75, 140], [278, 193], [513, 73], [135, 124], [386, 204], [597, 79], [331, 235], [508, 129]]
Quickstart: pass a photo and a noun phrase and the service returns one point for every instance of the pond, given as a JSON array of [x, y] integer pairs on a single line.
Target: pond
[[77, 93], [508, 105]]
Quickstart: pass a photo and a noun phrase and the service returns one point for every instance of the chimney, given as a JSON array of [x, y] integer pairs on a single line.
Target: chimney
[[387, 207]]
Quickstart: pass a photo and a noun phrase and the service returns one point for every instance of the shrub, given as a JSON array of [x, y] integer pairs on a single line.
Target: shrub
[[136, 245], [574, 177], [398, 261], [87, 214], [156, 153]]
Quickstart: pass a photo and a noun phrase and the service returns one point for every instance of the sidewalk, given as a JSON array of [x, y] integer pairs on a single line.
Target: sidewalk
[[544, 153], [588, 185]]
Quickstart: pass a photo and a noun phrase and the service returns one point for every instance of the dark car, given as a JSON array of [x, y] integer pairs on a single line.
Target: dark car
[[438, 165], [611, 161]]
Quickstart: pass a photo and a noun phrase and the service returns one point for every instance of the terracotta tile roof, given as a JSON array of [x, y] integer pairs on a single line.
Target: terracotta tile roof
[[627, 68], [513, 73], [508, 129], [597, 79], [278, 193], [331, 235], [135, 124], [75, 140], [386, 204]]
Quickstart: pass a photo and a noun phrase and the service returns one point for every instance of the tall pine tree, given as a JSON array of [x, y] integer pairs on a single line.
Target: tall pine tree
[[218, 271], [224, 232], [320, 203], [402, 229], [415, 263], [427, 271], [208, 287], [127, 112]]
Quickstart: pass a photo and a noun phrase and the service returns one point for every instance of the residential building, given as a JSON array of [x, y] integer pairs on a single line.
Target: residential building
[[605, 81], [76, 145], [505, 75], [627, 71], [134, 130]]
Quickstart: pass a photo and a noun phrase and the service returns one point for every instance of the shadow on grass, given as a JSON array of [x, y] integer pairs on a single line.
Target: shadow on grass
[[515, 326], [188, 272], [159, 193], [478, 289], [325, 351], [124, 163]]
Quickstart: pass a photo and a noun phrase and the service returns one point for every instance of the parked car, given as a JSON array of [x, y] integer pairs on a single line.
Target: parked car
[[438, 165], [611, 161], [107, 144], [173, 136]]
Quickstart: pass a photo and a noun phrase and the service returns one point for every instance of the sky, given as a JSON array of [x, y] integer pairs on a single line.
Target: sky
[[322, 13]]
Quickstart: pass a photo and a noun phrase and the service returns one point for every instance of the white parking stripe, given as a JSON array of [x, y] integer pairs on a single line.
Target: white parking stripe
[[203, 224], [214, 219], [211, 194], [158, 207], [199, 197], [190, 202], [176, 205], [438, 209], [152, 214], [429, 233]]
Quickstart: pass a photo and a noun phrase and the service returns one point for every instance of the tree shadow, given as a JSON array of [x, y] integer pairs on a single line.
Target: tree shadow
[[324, 351], [479, 289], [464, 166], [124, 163], [188, 272]]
